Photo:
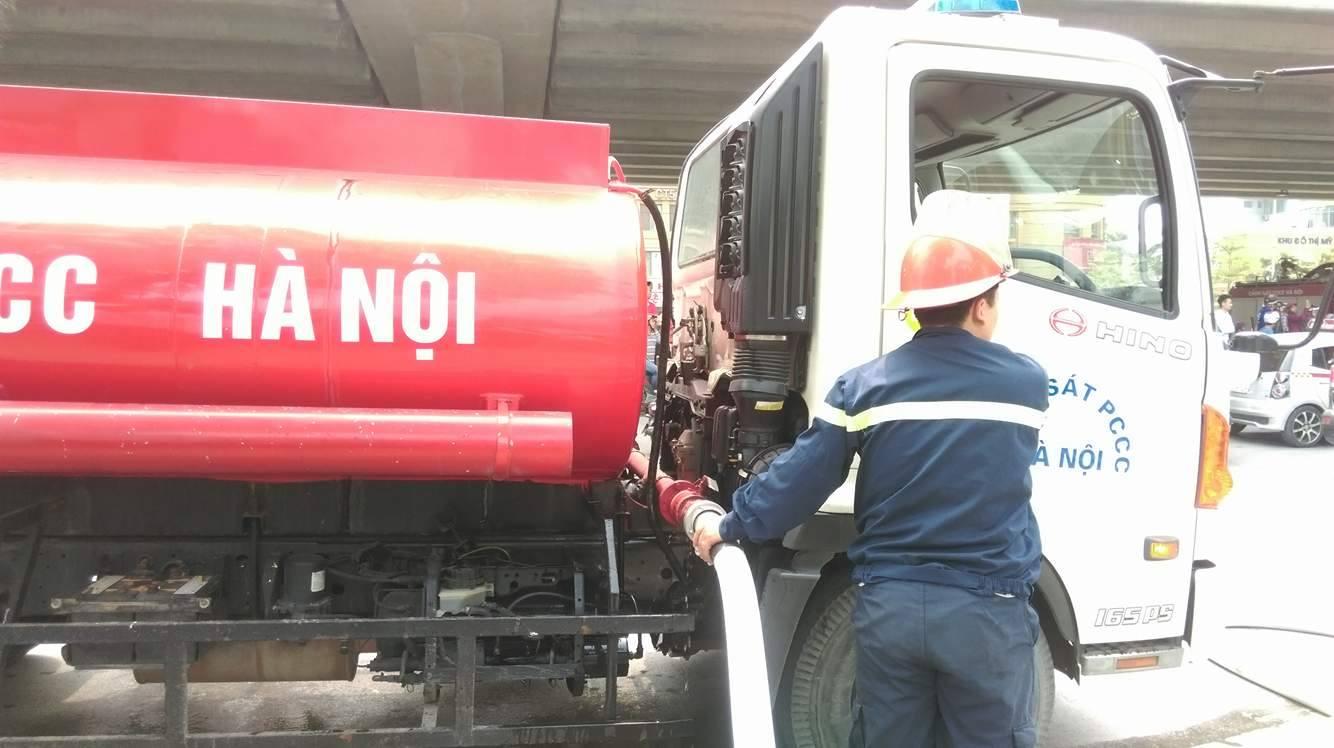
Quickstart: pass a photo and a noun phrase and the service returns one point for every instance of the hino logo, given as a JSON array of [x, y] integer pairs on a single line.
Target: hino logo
[[1132, 338], [1067, 322]]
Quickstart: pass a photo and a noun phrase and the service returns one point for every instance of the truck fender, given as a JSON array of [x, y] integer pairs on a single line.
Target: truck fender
[[1057, 615], [787, 588]]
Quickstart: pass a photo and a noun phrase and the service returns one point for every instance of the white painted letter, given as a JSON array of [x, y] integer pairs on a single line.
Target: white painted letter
[[240, 299], [465, 321], [289, 305], [416, 284], [1114, 333], [57, 283], [358, 303], [20, 310]]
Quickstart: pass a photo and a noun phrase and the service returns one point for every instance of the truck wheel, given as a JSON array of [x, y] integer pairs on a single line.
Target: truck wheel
[[814, 705], [1303, 427]]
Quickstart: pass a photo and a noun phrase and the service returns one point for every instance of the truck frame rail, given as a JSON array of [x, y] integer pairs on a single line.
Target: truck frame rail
[[178, 638]]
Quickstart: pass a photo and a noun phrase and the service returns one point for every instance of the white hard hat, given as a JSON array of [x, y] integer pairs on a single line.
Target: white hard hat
[[959, 250]]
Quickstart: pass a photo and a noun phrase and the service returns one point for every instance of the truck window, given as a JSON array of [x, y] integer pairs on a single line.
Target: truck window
[[699, 207], [1078, 171], [1323, 358]]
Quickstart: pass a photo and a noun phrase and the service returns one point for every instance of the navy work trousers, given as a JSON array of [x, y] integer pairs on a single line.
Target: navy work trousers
[[943, 666]]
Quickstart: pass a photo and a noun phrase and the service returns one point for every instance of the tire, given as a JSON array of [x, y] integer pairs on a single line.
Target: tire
[[814, 708], [1044, 689], [1303, 428], [1236, 428]]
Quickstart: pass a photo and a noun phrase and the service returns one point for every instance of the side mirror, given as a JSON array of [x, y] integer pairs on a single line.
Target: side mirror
[[1150, 223]]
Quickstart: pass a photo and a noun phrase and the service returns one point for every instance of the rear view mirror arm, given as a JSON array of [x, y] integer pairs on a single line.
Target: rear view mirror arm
[[1183, 90], [1295, 72], [1198, 79]]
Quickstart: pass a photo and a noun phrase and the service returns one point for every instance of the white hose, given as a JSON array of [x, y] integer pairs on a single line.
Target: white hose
[[747, 675]]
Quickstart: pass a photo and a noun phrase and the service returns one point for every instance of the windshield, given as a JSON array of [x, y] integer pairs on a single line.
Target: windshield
[[699, 207], [1078, 172]]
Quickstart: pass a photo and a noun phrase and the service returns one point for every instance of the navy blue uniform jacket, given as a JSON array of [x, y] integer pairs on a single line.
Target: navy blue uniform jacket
[[946, 427]]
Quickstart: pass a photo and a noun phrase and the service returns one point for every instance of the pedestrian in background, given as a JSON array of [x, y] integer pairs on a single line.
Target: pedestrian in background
[[1297, 318], [651, 364], [1223, 316], [1267, 320]]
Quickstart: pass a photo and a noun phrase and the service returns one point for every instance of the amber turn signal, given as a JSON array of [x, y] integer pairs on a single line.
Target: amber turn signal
[[1215, 480], [1161, 548]]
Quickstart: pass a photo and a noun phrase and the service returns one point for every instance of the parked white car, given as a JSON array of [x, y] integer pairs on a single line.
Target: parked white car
[[1291, 393]]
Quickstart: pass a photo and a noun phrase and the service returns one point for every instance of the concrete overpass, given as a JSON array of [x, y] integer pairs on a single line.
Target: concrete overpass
[[660, 71]]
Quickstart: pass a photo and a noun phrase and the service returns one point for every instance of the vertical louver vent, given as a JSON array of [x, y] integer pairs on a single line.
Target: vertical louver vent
[[732, 213], [768, 219]]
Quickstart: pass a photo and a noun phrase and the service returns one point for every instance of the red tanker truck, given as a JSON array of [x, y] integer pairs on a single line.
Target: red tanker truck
[[284, 383]]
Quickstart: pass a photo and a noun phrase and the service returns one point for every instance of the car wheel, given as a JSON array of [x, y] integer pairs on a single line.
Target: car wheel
[[814, 705], [1236, 428], [1303, 428]]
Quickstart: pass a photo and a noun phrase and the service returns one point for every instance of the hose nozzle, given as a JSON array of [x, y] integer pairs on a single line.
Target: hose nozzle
[[679, 503]]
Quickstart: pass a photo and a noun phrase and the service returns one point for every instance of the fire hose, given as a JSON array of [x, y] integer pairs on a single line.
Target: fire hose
[[682, 504]]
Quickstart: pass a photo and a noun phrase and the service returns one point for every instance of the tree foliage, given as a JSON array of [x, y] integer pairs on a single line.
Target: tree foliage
[[1288, 268], [1233, 263]]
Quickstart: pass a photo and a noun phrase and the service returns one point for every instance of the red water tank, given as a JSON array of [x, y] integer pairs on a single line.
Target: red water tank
[[187, 250]]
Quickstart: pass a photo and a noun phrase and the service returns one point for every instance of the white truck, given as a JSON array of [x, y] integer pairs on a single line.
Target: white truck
[[792, 215]]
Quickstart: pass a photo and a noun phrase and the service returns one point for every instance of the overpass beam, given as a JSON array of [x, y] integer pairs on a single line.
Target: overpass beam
[[488, 57]]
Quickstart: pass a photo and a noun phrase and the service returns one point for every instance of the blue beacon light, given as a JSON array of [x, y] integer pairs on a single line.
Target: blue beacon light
[[976, 6]]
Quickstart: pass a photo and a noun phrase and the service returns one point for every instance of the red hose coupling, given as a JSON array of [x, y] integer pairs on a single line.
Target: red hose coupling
[[675, 500]]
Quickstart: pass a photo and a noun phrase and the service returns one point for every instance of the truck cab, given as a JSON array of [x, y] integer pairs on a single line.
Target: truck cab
[[793, 212]]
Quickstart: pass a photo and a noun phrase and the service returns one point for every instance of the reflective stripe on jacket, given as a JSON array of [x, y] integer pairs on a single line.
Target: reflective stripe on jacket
[[946, 427]]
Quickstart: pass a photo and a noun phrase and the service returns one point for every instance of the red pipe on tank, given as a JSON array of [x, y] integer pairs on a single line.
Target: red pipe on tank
[[674, 497], [42, 438]]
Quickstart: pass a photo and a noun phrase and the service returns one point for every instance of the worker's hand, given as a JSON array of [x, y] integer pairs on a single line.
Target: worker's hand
[[706, 535]]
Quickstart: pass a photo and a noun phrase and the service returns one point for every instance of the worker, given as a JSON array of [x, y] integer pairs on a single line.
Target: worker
[[1223, 316], [1266, 320], [654, 337], [948, 549]]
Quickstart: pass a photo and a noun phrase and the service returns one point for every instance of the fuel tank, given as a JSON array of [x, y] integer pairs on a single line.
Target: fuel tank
[[164, 250]]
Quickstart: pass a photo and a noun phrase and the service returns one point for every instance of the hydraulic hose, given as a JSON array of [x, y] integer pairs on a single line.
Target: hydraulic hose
[[1271, 689], [682, 504], [660, 395]]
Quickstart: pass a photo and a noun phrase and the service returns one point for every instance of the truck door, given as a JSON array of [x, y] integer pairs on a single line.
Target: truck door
[[1109, 298]]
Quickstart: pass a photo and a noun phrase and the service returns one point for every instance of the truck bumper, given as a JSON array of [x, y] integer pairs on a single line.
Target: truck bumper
[[1126, 657]]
